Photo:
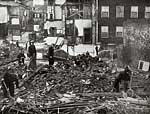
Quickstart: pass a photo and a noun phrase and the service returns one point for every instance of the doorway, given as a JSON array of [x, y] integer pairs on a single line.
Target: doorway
[[87, 36]]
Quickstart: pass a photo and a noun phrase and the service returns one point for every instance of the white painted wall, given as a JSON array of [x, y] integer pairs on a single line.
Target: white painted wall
[[38, 2], [60, 2], [58, 24], [58, 12], [4, 15], [81, 24]]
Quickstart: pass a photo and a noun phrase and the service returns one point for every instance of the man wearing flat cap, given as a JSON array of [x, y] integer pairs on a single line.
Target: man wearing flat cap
[[32, 55]]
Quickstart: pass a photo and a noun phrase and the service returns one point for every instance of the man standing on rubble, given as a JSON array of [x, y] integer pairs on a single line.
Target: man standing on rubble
[[124, 77], [96, 49], [32, 55], [50, 55], [21, 57], [8, 80]]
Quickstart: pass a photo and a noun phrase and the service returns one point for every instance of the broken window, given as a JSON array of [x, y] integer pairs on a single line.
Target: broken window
[[53, 31], [119, 11], [134, 11], [119, 31], [104, 31], [50, 12], [15, 21], [87, 35], [73, 11], [87, 11], [14, 11], [105, 11], [37, 15], [147, 12]]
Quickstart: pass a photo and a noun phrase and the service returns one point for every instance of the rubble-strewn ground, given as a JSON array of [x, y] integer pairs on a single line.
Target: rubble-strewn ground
[[69, 89]]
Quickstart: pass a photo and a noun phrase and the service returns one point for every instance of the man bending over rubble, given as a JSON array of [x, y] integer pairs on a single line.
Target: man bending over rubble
[[124, 77], [9, 78]]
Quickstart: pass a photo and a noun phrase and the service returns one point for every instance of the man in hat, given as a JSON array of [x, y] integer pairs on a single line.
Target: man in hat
[[32, 55], [9, 81]]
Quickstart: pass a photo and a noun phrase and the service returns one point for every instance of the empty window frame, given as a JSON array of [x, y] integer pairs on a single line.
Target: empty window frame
[[37, 15], [50, 12], [87, 11], [119, 11], [119, 31], [147, 12], [16, 32], [134, 11], [104, 32], [53, 31], [105, 11]]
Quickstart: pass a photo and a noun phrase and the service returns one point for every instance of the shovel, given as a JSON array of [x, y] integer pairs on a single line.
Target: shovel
[[130, 91]]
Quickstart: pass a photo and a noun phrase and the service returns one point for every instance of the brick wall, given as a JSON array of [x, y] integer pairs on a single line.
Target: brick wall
[[112, 21]]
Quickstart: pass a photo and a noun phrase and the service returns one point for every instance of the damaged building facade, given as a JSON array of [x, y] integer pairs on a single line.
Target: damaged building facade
[[73, 20], [70, 19], [112, 15], [14, 19], [78, 21], [53, 25]]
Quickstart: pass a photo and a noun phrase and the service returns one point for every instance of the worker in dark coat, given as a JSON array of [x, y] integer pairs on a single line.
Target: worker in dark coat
[[8, 81], [50, 55], [17, 43], [32, 55], [96, 49], [124, 77], [21, 57]]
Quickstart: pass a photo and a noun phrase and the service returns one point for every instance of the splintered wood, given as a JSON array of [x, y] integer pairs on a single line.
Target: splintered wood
[[68, 89]]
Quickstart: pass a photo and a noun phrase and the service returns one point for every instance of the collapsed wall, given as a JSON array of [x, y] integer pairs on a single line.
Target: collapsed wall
[[137, 36]]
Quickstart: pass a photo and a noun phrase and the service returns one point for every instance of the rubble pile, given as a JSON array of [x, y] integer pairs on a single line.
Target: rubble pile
[[68, 89], [47, 81], [140, 83]]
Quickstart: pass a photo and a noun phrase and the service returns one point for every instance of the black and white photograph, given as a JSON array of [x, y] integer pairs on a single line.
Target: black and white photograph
[[74, 56]]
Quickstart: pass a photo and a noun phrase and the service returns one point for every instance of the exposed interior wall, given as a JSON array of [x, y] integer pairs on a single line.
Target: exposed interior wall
[[136, 30], [58, 24], [81, 24]]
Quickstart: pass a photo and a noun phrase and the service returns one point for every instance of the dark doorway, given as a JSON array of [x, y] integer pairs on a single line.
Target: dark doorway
[[87, 36], [53, 31]]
